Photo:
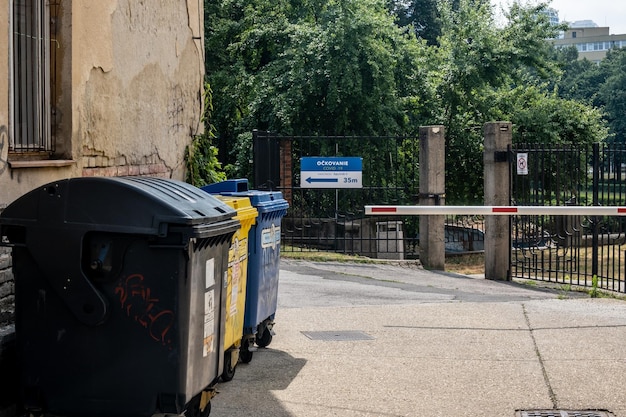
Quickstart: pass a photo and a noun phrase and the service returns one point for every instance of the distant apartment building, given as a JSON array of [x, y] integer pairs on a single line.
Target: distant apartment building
[[553, 15], [592, 41]]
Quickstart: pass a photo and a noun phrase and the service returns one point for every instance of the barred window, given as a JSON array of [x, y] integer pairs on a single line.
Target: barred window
[[31, 81]]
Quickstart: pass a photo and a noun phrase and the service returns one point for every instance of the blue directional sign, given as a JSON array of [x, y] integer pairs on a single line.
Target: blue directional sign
[[331, 172]]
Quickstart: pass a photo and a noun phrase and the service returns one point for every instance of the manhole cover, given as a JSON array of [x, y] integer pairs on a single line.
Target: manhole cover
[[338, 335], [563, 413]]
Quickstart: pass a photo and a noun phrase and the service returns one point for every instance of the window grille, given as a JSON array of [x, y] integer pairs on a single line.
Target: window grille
[[31, 112]]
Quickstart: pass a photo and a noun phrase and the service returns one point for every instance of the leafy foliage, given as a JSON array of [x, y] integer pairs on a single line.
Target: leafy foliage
[[580, 79], [479, 65], [612, 94], [385, 67], [327, 67], [203, 166], [544, 118], [601, 85], [422, 16]]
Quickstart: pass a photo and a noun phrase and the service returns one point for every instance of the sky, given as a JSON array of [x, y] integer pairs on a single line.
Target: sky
[[611, 13]]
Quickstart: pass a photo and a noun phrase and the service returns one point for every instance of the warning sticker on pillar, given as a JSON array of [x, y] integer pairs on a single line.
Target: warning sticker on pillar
[[331, 172], [522, 164]]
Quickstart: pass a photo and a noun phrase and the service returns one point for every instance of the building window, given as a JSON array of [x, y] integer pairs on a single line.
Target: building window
[[573, 34], [33, 58]]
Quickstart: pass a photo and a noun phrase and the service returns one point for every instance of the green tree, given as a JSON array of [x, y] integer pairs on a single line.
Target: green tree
[[490, 73], [601, 85], [343, 75], [581, 79], [542, 117], [334, 67], [354, 67], [612, 93], [241, 38], [421, 15]]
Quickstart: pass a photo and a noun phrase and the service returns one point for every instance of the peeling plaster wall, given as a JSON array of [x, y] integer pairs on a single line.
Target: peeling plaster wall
[[140, 89], [4, 98], [131, 81]]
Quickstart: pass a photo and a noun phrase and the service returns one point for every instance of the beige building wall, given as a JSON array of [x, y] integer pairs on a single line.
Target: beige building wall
[[130, 79], [592, 42]]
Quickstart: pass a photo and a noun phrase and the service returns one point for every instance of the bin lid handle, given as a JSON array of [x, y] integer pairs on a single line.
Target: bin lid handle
[[60, 263]]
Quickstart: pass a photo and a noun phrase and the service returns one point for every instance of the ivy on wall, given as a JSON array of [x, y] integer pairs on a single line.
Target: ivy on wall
[[203, 166]]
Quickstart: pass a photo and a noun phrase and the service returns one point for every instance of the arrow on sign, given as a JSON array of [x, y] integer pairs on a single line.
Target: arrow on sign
[[311, 180]]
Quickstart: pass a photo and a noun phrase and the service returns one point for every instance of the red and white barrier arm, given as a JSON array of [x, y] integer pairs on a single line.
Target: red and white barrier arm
[[496, 210]]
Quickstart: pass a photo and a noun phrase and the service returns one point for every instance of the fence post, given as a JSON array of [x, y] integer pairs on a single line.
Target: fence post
[[596, 202], [432, 187], [266, 163], [286, 170], [497, 182]]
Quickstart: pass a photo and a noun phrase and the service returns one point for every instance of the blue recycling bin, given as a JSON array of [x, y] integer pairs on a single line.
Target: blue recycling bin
[[263, 261]]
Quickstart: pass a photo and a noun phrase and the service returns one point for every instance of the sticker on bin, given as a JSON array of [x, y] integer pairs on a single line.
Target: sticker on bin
[[237, 254], [209, 308], [210, 274], [209, 323], [270, 237]]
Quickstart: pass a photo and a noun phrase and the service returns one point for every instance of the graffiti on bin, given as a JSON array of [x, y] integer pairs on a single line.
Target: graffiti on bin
[[138, 303]]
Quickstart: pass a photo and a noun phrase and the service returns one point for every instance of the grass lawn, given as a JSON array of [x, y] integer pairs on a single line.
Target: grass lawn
[[461, 264]]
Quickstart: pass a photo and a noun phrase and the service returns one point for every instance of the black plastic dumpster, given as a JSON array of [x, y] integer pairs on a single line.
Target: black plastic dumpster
[[119, 295]]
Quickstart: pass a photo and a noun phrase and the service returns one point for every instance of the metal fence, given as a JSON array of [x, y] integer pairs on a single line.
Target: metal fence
[[573, 250], [332, 219]]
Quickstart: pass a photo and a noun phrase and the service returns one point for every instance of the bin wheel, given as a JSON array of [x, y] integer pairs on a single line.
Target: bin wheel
[[245, 355], [229, 369], [265, 339]]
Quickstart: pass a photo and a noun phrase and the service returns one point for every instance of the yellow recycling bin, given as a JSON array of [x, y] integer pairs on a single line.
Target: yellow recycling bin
[[236, 282]]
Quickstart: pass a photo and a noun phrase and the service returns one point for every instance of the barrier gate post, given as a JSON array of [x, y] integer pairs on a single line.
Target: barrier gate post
[[497, 181], [432, 190]]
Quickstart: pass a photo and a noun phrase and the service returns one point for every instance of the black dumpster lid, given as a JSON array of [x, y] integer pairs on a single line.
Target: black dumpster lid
[[142, 205]]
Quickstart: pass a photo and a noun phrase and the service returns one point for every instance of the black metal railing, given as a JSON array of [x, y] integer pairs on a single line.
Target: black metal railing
[[573, 250], [333, 219], [34, 54]]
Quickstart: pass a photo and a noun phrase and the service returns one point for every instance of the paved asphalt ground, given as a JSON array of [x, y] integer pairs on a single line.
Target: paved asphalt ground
[[373, 340]]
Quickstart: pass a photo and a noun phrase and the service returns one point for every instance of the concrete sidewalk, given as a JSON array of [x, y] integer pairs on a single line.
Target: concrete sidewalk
[[382, 340]]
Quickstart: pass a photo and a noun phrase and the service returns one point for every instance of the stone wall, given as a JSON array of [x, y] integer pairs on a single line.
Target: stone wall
[[7, 287], [8, 359], [97, 164]]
